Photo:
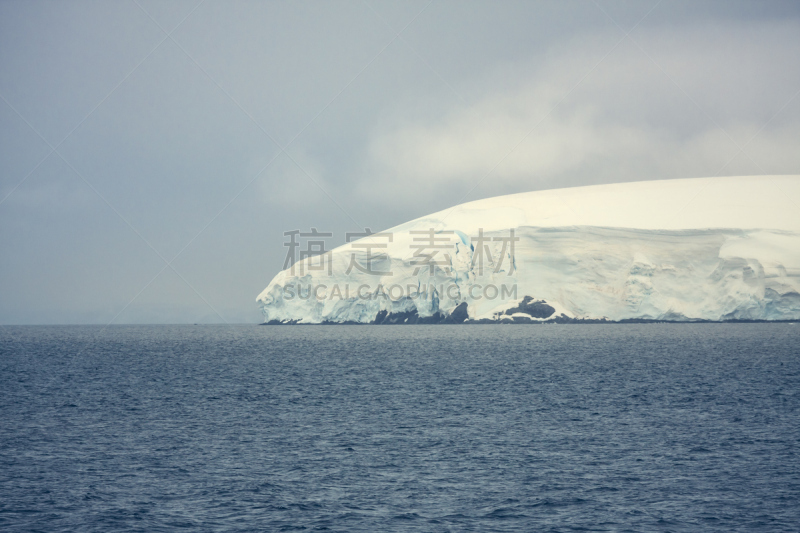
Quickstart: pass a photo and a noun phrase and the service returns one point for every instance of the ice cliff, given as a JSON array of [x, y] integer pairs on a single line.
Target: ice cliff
[[691, 249]]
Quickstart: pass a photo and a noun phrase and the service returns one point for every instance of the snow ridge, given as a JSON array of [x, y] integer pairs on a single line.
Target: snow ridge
[[693, 249]]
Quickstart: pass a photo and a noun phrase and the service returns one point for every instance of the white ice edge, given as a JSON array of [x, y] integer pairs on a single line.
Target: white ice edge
[[706, 248]]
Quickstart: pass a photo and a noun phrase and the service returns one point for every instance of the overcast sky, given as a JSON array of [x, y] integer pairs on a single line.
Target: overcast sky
[[153, 153]]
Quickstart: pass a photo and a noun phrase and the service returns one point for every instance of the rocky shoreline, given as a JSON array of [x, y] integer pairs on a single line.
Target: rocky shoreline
[[537, 311]]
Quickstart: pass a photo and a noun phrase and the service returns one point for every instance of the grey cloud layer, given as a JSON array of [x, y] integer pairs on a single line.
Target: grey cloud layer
[[656, 112], [433, 111]]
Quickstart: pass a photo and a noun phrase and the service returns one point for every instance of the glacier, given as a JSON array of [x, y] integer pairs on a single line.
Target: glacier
[[699, 249]]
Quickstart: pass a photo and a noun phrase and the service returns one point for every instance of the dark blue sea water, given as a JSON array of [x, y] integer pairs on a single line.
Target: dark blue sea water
[[637, 427]]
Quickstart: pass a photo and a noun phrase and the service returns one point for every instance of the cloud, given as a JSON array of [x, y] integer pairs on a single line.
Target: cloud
[[392, 127], [296, 180], [683, 107]]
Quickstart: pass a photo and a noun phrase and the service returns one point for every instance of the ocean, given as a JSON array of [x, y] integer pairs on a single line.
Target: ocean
[[608, 427]]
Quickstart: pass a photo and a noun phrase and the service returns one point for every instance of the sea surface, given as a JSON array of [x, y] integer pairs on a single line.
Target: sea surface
[[629, 427]]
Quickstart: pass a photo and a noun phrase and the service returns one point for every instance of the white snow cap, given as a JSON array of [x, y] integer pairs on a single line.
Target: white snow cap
[[741, 202], [705, 248]]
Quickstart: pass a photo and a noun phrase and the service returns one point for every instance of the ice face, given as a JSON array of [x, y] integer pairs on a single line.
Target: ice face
[[708, 249]]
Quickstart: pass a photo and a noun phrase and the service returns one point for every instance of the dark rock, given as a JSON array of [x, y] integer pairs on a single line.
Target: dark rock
[[380, 317], [459, 314], [535, 309]]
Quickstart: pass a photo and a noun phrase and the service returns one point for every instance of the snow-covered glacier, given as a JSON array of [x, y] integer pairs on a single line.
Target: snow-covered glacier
[[690, 249]]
